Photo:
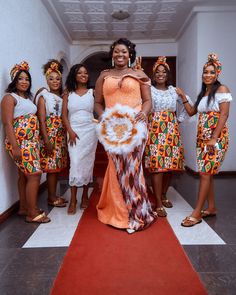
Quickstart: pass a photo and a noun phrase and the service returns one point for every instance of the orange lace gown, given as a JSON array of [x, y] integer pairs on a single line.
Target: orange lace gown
[[113, 207]]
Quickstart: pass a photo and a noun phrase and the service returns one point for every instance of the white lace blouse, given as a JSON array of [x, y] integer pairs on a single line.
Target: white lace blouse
[[168, 100], [53, 102], [214, 104]]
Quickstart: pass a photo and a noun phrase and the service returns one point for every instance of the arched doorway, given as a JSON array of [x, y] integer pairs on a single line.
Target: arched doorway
[[95, 64]]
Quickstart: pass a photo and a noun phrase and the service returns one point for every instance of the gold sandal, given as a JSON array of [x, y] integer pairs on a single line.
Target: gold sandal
[[190, 221], [161, 212]]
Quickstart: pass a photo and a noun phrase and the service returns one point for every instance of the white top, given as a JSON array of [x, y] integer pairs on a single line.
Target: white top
[[168, 100], [23, 107], [80, 107], [214, 104], [53, 102]]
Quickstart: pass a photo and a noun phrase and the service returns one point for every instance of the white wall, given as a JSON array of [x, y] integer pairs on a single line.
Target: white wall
[[27, 33], [187, 63], [207, 32]]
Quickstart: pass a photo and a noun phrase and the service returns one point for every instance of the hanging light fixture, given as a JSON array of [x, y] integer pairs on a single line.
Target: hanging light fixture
[[120, 14]]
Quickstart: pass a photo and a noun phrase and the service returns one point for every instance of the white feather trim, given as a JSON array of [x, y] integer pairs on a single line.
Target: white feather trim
[[118, 131]]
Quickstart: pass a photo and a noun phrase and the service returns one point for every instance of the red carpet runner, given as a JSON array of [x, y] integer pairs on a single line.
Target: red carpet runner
[[102, 260]]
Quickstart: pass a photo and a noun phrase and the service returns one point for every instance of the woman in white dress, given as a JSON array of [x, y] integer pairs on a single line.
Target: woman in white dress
[[77, 114], [212, 104]]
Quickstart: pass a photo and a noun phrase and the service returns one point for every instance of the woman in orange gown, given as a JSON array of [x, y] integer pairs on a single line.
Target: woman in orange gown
[[124, 202]]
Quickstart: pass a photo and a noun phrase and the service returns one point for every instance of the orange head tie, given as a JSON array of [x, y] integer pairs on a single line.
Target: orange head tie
[[23, 66]]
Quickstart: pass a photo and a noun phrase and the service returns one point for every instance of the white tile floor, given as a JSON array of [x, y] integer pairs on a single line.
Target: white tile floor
[[59, 232]]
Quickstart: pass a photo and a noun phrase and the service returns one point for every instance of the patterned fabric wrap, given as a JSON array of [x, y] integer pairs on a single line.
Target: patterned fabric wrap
[[164, 150], [26, 130], [210, 160], [132, 183], [57, 160]]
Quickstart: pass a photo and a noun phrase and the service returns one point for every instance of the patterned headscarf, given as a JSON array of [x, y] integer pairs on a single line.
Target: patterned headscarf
[[53, 68], [161, 60], [214, 60], [23, 66]]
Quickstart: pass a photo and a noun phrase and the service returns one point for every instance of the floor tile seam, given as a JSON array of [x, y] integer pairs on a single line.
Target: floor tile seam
[[217, 272]]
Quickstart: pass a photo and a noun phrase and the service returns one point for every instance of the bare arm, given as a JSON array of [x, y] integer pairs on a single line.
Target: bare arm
[[72, 134], [7, 108], [99, 100], [42, 123], [191, 110], [224, 113]]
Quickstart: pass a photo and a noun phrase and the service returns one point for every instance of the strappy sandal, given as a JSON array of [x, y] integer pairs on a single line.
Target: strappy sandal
[[190, 221], [206, 213], [167, 203], [161, 212], [41, 218], [59, 202]]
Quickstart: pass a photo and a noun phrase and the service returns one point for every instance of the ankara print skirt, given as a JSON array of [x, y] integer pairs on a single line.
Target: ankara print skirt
[[164, 150], [26, 130], [56, 160], [209, 160]]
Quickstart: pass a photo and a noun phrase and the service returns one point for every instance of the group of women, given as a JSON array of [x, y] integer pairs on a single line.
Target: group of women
[[36, 135], [134, 118]]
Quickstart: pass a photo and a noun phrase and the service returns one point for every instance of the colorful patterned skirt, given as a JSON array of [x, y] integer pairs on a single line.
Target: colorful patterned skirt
[[57, 159], [209, 160], [164, 150], [132, 184], [26, 130]]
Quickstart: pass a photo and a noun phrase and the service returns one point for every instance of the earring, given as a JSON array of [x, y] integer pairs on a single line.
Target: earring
[[129, 63], [112, 63]]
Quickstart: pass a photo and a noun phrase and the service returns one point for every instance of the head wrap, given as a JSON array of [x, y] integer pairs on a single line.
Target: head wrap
[[53, 68], [161, 60], [213, 60], [23, 66]]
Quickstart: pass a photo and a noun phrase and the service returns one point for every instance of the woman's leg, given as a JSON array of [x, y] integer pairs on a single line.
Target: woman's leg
[[73, 200], [84, 199], [157, 180], [32, 187], [165, 185], [211, 208], [22, 193], [53, 200], [203, 193]]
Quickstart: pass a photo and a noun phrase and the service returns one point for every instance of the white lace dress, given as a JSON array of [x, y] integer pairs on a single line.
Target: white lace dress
[[82, 155]]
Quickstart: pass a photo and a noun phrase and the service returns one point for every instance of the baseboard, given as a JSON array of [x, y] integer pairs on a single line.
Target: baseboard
[[220, 174], [13, 209]]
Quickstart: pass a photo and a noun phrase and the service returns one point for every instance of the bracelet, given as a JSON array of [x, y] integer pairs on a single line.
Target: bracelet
[[186, 101]]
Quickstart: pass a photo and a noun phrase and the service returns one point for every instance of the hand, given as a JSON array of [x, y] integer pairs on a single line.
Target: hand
[[141, 116], [49, 146], [16, 154], [211, 143], [72, 138], [180, 92]]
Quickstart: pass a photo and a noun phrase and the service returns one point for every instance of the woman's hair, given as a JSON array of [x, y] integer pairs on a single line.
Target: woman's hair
[[168, 76], [211, 94], [47, 66], [12, 86], [130, 46], [71, 83]]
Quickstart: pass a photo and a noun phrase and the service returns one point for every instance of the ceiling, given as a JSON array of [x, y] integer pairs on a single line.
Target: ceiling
[[87, 20]]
